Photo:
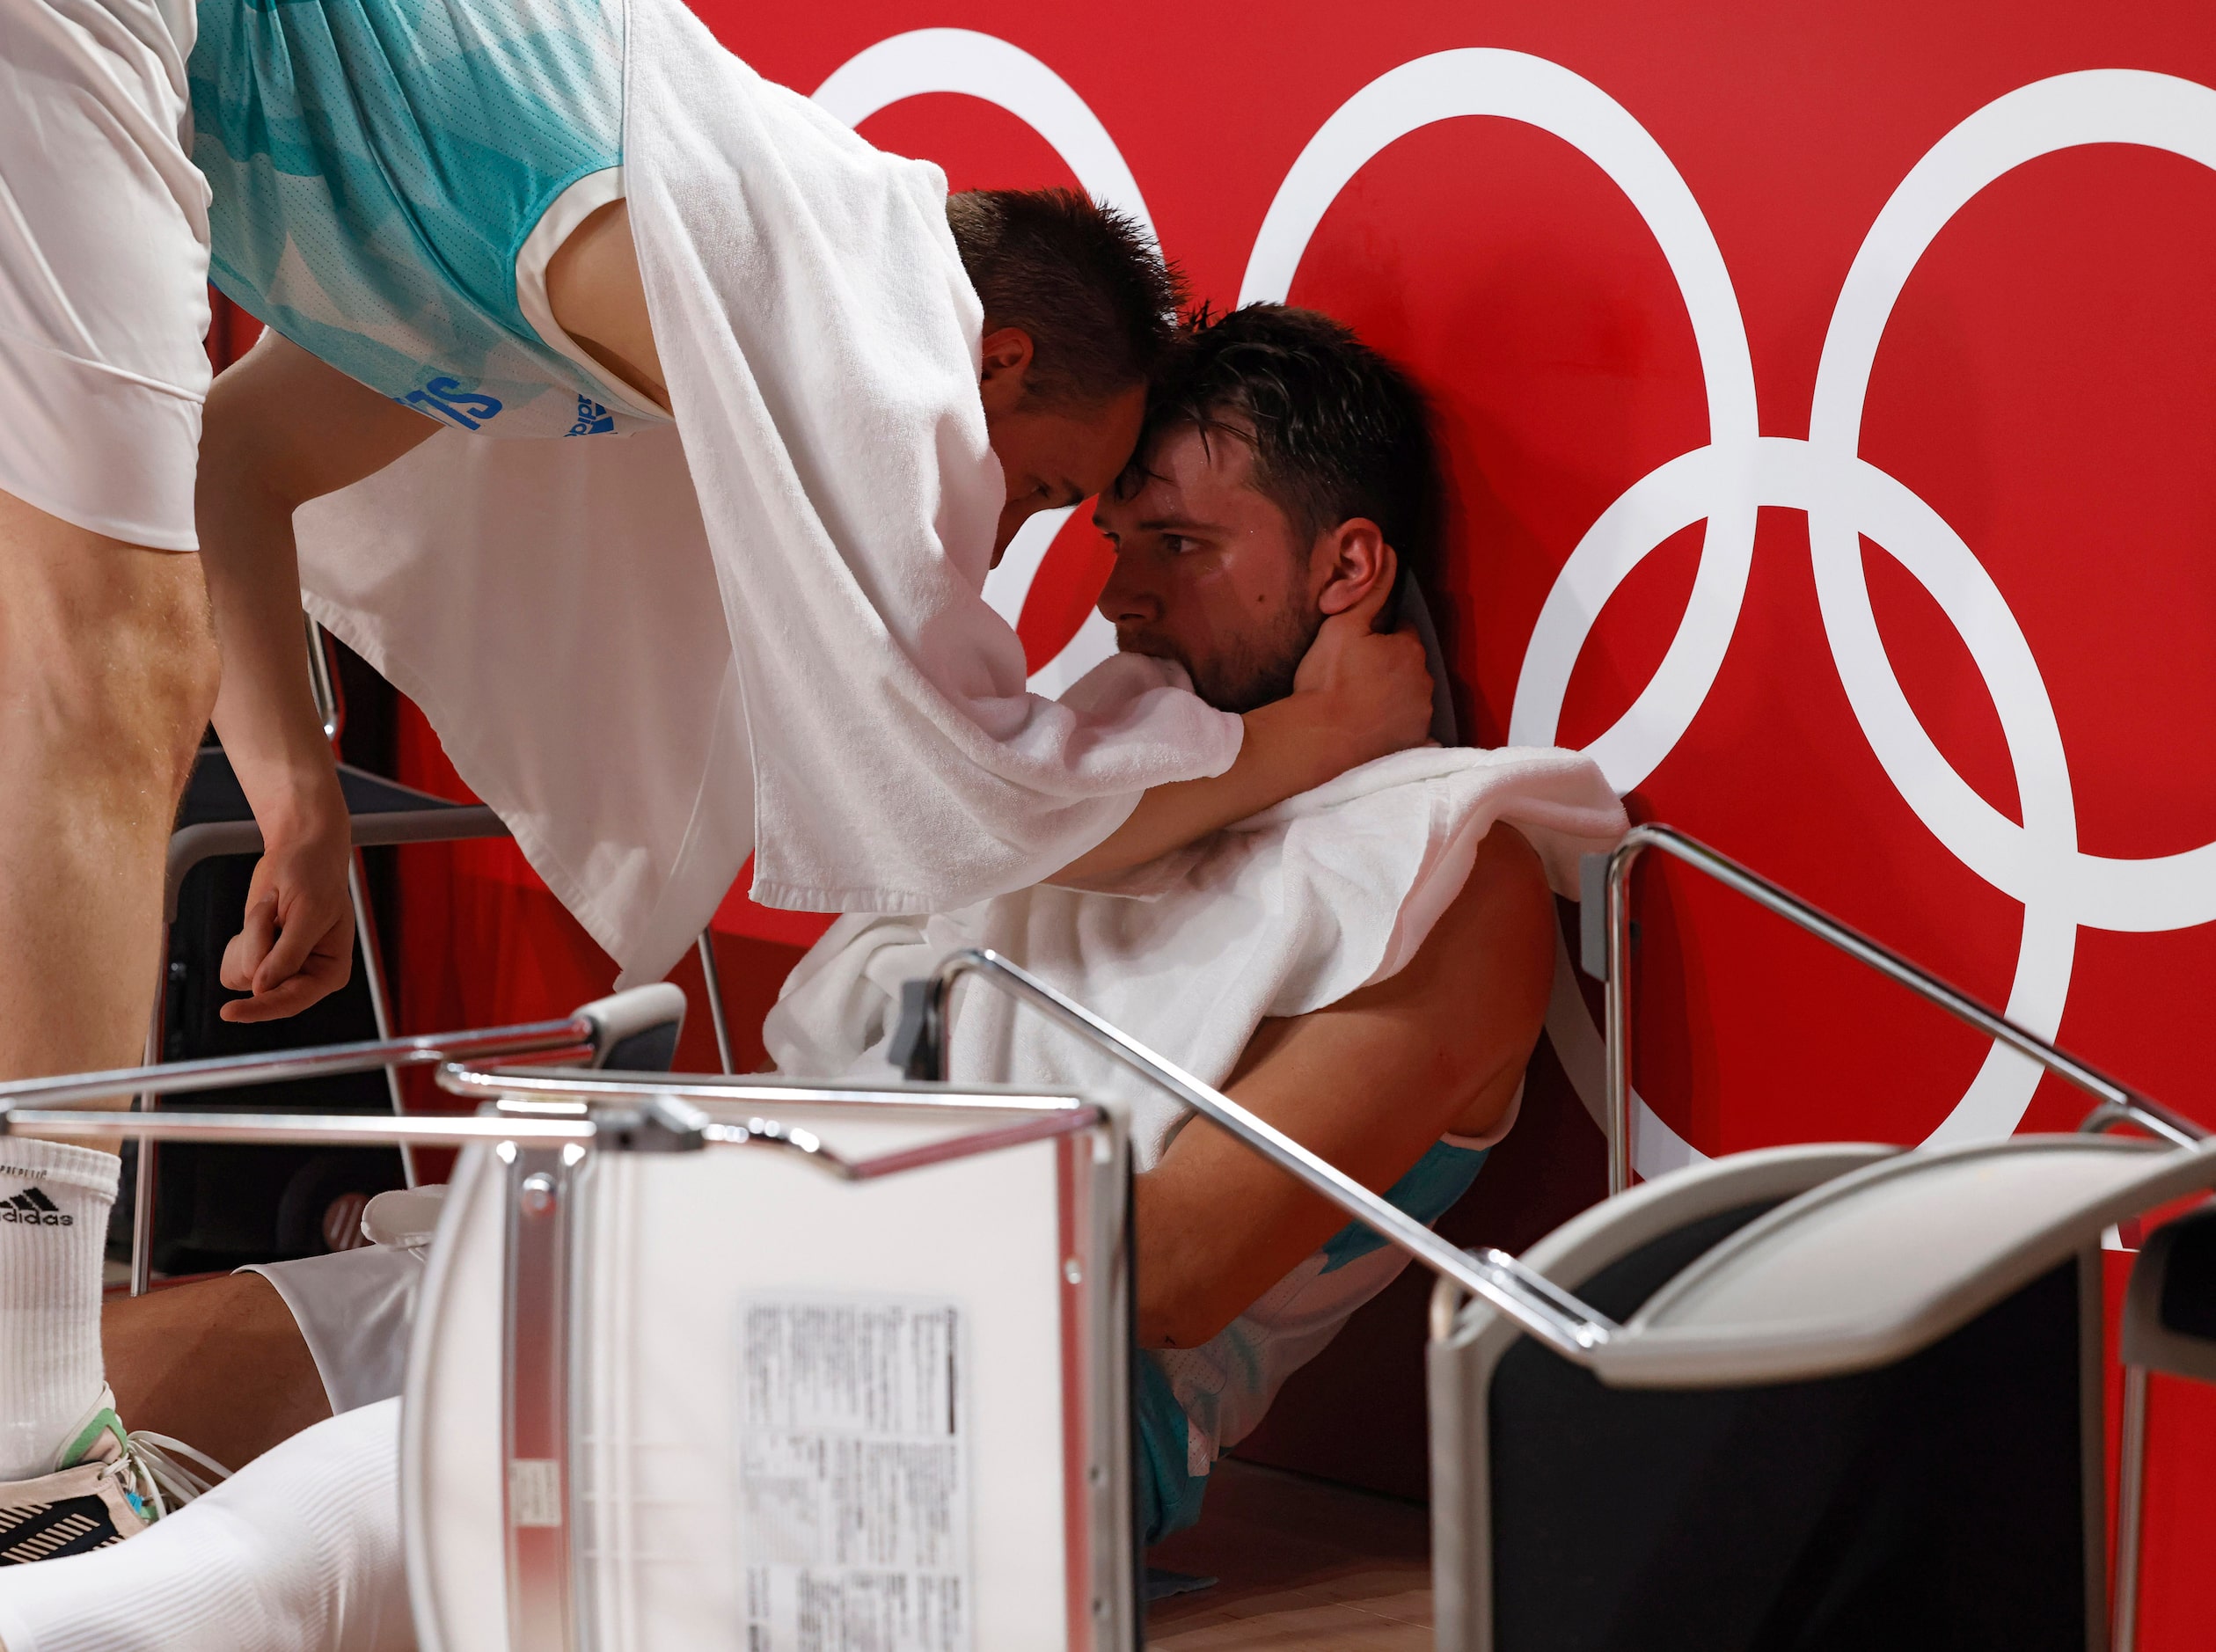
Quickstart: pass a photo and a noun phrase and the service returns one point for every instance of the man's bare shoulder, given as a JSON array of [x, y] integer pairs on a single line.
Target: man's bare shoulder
[[1500, 921], [1475, 995]]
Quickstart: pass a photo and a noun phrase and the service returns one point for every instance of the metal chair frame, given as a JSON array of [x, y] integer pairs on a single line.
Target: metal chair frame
[[1605, 921], [2130, 1496], [1519, 1293], [1605, 926], [543, 1123], [439, 820], [2147, 1347], [1532, 1301]]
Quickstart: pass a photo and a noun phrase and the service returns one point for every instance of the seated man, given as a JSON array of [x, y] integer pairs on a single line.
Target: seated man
[[1365, 966]]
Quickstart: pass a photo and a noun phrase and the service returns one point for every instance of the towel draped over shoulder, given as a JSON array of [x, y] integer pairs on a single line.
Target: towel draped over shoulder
[[1279, 916], [761, 631]]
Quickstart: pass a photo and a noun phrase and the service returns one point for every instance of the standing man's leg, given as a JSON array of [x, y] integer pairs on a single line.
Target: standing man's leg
[[106, 658], [106, 665], [106, 680]]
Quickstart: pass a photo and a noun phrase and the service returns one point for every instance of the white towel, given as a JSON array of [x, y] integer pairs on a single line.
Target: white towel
[[762, 632], [1281, 914]]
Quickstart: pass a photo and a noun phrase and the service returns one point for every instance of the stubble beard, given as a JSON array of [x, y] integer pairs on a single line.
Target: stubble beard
[[1253, 670]]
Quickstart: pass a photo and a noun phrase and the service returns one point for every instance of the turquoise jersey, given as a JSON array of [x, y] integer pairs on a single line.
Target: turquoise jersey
[[377, 166]]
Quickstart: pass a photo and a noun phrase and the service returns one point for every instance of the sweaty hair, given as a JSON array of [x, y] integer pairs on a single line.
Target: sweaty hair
[[1087, 284], [1337, 431]]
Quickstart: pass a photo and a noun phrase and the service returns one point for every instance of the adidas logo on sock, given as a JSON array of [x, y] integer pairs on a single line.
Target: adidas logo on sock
[[33, 1207]]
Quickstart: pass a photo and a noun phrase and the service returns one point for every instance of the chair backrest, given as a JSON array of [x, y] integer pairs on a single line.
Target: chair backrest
[[779, 1397], [637, 1030], [1869, 1414], [1614, 1256], [2169, 1310]]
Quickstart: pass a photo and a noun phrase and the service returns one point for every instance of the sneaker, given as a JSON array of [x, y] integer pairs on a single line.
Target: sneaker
[[107, 1484]]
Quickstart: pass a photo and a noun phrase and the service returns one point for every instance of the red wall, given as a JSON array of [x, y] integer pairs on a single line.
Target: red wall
[[1997, 759], [2046, 384]]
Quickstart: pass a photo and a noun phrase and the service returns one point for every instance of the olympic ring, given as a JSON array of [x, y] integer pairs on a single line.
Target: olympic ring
[[1519, 87], [986, 67], [2038, 863]]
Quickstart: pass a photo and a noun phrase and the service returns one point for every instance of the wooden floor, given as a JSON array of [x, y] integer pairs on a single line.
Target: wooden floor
[[1303, 1567]]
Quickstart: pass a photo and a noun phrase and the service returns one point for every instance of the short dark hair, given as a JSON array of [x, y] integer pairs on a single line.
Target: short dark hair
[[1337, 430], [1084, 280]]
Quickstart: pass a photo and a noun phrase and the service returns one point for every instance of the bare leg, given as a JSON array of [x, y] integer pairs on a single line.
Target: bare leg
[[107, 670], [218, 1364]]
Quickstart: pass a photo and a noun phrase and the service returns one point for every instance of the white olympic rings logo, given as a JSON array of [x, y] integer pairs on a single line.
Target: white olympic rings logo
[[1724, 483]]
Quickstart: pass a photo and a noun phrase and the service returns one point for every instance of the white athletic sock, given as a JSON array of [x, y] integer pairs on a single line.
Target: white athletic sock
[[297, 1551], [54, 1206]]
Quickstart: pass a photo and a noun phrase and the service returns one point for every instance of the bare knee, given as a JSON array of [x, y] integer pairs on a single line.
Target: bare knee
[[109, 659], [164, 669]]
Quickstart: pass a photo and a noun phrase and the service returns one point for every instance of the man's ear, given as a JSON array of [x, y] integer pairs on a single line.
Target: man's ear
[[1006, 369], [1351, 561]]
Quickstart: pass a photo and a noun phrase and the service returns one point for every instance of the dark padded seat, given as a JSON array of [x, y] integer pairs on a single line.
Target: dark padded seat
[[198, 1208], [215, 794], [2169, 1313]]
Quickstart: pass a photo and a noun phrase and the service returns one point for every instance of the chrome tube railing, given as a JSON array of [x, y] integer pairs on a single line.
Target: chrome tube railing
[[560, 1084], [302, 1129], [323, 688], [29, 1102], [2130, 1470], [365, 933], [2118, 1102], [719, 1017], [1542, 1309], [572, 1034], [2131, 1499], [1056, 1115], [142, 1169], [532, 1108], [2143, 1115]]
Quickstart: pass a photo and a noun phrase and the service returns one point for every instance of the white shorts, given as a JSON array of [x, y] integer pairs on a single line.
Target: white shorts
[[103, 267], [353, 1309]]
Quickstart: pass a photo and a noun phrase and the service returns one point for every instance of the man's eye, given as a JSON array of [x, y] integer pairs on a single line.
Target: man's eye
[[1176, 543]]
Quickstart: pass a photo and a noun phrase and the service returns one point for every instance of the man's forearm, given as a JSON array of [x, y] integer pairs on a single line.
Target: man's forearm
[[280, 429], [1291, 746], [264, 710], [1360, 693]]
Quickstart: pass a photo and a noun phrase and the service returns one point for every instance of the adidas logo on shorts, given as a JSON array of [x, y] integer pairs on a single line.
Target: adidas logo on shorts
[[33, 1207]]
